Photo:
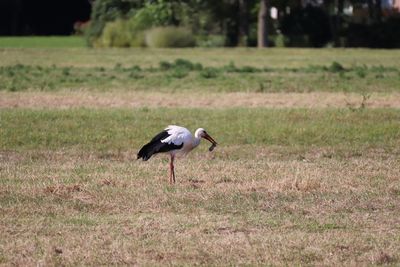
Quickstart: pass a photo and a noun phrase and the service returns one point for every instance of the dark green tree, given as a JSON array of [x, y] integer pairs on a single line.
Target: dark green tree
[[104, 11]]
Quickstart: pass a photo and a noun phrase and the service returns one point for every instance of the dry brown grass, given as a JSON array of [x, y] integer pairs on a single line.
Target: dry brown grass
[[228, 207], [240, 205], [198, 100]]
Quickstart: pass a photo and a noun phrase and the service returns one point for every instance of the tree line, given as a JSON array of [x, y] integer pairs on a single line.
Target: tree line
[[262, 23]]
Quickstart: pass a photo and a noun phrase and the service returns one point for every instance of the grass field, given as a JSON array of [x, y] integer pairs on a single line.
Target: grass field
[[42, 42], [307, 171]]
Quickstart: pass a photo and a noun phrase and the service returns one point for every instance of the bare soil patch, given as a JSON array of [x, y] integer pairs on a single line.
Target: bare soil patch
[[195, 100]]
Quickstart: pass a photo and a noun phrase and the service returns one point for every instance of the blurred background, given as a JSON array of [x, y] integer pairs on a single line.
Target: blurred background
[[209, 23]]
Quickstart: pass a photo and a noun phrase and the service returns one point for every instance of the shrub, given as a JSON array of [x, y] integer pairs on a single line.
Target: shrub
[[245, 69], [104, 11], [180, 63], [248, 69], [183, 63], [179, 73], [129, 32], [361, 71], [140, 17], [209, 73], [336, 67], [169, 37], [116, 34], [137, 39], [230, 67], [187, 64], [145, 18], [165, 65]]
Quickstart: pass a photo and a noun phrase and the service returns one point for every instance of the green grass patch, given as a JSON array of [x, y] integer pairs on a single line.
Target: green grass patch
[[218, 57], [121, 129], [42, 42], [225, 70], [185, 75]]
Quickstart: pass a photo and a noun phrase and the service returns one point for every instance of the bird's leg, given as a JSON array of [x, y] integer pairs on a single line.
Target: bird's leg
[[172, 171]]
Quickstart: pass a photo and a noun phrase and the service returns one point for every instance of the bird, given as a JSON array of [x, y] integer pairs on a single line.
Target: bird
[[174, 140]]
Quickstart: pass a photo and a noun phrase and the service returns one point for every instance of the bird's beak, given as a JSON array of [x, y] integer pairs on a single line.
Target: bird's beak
[[209, 138]]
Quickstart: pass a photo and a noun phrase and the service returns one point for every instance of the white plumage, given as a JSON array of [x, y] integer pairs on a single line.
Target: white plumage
[[177, 135], [174, 139]]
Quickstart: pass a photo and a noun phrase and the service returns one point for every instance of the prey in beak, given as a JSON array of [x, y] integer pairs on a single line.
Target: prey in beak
[[211, 140]]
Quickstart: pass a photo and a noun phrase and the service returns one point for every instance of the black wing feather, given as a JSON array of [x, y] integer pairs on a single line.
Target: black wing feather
[[156, 146]]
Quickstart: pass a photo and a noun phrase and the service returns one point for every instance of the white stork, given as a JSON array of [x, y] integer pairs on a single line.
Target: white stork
[[173, 140]]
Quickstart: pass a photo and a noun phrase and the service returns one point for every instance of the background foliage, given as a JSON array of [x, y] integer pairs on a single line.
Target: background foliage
[[234, 23]]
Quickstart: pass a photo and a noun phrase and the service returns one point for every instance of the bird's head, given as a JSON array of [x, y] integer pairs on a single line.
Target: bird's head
[[201, 133]]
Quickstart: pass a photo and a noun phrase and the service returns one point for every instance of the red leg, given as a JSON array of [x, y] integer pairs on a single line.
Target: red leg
[[172, 171]]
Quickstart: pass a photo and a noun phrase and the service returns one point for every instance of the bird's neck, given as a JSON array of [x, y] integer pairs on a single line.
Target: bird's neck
[[196, 141]]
